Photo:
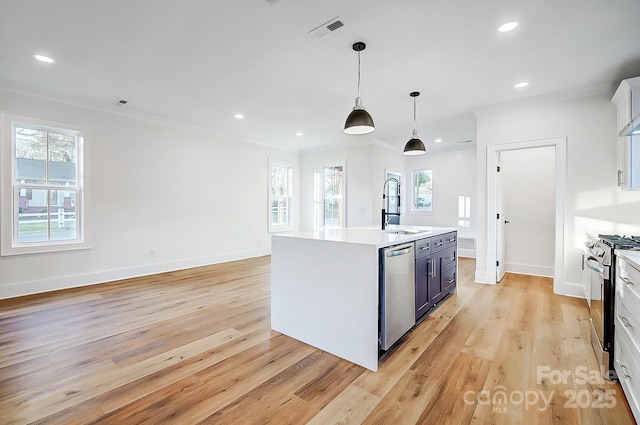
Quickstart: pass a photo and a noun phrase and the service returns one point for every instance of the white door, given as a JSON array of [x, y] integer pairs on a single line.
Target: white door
[[500, 226]]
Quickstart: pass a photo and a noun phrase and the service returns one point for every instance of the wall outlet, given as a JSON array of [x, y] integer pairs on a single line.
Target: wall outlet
[[152, 252], [361, 210], [259, 241]]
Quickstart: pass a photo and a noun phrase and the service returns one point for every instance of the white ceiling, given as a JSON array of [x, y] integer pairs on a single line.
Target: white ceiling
[[199, 62]]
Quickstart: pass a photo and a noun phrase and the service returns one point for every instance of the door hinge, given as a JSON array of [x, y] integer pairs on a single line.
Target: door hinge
[[497, 263], [498, 168], [498, 216]]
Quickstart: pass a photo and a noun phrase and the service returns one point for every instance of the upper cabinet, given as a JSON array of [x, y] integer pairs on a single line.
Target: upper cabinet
[[627, 99]]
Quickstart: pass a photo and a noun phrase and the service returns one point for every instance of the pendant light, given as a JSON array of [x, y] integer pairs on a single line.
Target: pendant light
[[415, 145], [359, 121]]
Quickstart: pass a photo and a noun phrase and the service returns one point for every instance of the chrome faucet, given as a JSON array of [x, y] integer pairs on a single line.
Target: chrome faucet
[[385, 214]]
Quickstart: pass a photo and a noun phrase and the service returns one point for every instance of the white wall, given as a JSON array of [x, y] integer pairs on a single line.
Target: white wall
[[193, 198], [593, 203], [528, 186], [454, 174], [365, 163]]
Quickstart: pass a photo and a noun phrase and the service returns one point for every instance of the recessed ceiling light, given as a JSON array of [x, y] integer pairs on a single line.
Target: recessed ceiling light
[[521, 85], [239, 116], [438, 140], [508, 26], [299, 134], [43, 58]]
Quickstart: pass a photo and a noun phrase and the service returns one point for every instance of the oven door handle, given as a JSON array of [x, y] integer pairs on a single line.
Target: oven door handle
[[592, 267]]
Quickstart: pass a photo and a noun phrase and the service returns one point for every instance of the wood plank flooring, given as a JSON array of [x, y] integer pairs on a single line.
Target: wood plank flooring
[[195, 347]]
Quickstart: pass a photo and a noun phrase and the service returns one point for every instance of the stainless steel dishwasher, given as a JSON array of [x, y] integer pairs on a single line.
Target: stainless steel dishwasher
[[397, 293]]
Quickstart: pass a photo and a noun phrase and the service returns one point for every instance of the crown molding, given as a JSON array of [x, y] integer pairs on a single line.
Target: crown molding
[[563, 96]]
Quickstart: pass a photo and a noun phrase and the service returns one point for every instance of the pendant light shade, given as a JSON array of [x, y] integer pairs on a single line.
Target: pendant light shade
[[359, 121], [414, 146]]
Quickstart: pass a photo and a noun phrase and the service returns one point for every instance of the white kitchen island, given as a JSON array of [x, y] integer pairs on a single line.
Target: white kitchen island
[[325, 287]]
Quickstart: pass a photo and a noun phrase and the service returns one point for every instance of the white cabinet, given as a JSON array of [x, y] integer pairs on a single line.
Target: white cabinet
[[627, 333], [627, 100]]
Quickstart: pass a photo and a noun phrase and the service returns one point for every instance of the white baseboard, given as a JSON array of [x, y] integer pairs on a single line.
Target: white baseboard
[[482, 277], [17, 289], [469, 253], [531, 269], [573, 289]]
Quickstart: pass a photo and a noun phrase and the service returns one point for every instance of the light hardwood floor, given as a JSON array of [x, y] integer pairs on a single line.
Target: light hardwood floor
[[195, 347]]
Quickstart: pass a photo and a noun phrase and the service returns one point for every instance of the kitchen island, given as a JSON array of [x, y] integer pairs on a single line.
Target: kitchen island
[[325, 287]]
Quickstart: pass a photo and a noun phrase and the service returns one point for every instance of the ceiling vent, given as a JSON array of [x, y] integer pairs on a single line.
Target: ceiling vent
[[326, 28], [272, 2]]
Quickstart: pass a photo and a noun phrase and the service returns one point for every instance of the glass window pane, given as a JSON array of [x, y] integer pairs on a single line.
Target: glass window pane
[[278, 181], [280, 194], [333, 196], [279, 212], [62, 158], [62, 217], [32, 215], [31, 154], [422, 190]]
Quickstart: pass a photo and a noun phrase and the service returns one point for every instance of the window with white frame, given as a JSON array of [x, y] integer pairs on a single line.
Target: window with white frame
[[43, 192], [464, 211], [333, 196], [422, 190], [280, 196]]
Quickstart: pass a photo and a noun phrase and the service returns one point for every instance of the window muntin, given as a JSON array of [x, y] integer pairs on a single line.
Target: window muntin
[[280, 196], [422, 197]]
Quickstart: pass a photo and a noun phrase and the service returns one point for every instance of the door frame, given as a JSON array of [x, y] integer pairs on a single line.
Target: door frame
[[560, 145], [500, 226]]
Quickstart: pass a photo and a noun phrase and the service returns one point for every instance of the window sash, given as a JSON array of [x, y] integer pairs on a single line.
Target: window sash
[[49, 187], [333, 205], [422, 191], [67, 217]]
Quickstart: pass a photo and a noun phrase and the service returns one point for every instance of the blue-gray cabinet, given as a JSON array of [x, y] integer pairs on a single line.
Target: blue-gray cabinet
[[436, 269]]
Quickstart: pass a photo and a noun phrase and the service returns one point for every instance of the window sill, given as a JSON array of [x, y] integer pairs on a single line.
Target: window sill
[[43, 249]]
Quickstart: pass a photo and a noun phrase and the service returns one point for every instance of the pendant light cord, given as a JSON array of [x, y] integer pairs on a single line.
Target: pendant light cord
[[358, 74], [415, 131]]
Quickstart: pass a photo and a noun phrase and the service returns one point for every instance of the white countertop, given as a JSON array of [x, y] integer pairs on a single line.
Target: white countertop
[[370, 235], [632, 257]]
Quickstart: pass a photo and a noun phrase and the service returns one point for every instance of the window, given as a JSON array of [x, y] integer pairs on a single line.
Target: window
[[392, 197], [333, 196], [422, 197], [280, 196], [43, 194], [464, 211]]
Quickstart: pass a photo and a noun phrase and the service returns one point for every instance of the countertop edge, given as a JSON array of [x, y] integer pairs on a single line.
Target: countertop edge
[[340, 235], [632, 257]]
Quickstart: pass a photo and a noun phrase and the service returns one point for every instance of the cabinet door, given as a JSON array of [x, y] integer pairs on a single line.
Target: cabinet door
[[448, 280], [435, 289], [423, 301], [627, 100]]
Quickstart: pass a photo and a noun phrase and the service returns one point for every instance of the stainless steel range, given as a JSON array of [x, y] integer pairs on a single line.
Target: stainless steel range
[[599, 267]]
